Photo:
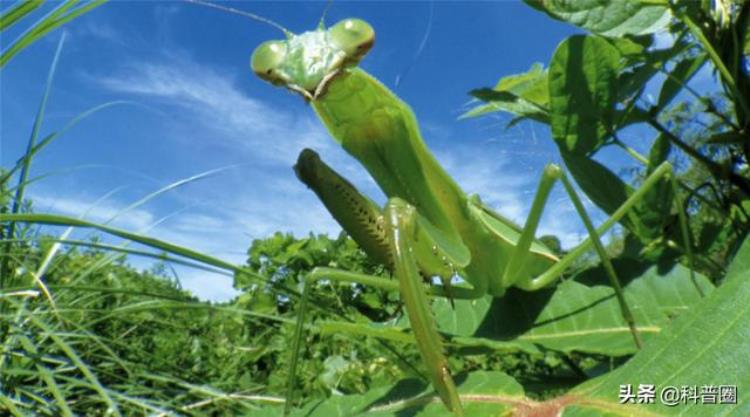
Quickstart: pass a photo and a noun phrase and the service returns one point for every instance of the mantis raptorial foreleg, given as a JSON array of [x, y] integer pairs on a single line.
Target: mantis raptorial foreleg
[[396, 230], [401, 221]]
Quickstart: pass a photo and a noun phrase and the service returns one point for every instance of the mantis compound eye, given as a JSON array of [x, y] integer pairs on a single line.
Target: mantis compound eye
[[266, 60], [354, 36]]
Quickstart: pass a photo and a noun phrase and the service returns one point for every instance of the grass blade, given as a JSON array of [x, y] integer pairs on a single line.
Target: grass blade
[[17, 12], [52, 136], [57, 220], [56, 18], [26, 166]]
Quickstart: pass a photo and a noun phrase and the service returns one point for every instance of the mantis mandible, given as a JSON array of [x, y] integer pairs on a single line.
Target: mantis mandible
[[429, 227]]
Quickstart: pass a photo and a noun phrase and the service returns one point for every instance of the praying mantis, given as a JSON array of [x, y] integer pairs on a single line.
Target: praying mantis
[[429, 227]]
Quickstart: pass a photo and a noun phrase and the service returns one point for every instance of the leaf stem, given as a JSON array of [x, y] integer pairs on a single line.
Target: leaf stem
[[715, 169], [716, 59]]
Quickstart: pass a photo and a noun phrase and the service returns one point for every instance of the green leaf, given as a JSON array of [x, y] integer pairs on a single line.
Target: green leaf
[[62, 14], [653, 211], [582, 90], [740, 268], [609, 18], [531, 85], [484, 394], [659, 152], [579, 315], [632, 48], [705, 346], [640, 67], [525, 95]]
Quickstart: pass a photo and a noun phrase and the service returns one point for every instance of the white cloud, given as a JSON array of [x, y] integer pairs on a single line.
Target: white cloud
[[100, 31], [90, 209], [208, 285], [486, 174], [247, 123]]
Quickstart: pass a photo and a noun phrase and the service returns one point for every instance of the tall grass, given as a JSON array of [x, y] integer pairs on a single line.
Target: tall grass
[[81, 332]]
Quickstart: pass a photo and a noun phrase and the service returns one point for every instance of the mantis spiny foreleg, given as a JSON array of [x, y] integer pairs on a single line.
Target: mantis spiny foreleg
[[390, 237]]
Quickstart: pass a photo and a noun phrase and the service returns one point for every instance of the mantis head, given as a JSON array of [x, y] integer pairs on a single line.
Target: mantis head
[[306, 63]]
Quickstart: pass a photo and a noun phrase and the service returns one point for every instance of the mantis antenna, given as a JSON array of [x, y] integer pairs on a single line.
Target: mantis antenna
[[322, 24], [252, 16], [422, 44]]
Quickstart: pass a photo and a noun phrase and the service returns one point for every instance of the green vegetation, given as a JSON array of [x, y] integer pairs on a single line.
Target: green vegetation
[[84, 333]]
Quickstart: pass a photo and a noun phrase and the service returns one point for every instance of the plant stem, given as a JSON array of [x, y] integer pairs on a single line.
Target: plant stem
[[716, 59], [715, 169]]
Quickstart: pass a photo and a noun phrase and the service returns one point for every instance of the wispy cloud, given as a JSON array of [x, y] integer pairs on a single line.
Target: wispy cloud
[[486, 174], [246, 123], [100, 31], [90, 209]]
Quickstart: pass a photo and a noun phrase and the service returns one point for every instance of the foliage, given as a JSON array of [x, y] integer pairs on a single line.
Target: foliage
[[116, 338], [336, 365], [599, 84], [84, 333]]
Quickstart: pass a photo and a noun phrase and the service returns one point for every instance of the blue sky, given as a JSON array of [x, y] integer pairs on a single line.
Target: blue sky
[[199, 108]]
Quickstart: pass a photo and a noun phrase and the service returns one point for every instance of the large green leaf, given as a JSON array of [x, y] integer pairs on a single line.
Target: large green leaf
[[609, 18], [483, 394], [707, 346], [579, 315], [582, 92]]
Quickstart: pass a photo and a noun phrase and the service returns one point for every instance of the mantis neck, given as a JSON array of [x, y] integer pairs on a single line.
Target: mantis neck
[[381, 132]]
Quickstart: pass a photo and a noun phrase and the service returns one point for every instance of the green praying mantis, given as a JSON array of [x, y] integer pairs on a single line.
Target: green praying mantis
[[429, 227]]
